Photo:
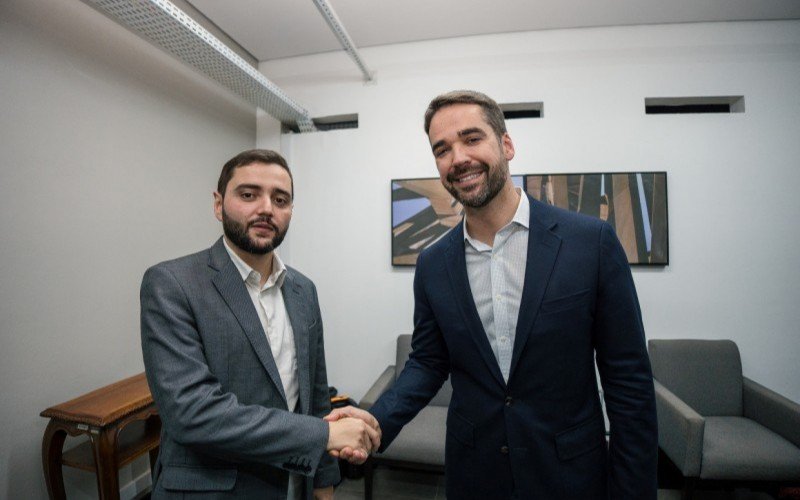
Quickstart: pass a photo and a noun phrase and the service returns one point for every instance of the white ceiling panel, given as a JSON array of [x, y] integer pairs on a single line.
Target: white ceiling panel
[[272, 29]]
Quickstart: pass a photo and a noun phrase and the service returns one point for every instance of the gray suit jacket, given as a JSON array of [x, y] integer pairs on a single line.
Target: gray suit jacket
[[227, 431]]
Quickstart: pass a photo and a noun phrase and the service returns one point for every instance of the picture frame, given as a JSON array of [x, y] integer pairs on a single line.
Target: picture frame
[[634, 203]]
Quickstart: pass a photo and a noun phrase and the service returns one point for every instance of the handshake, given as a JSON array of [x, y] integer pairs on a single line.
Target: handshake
[[353, 434]]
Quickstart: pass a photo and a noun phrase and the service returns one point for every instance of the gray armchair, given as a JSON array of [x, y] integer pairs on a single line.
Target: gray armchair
[[420, 445], [715, 424]]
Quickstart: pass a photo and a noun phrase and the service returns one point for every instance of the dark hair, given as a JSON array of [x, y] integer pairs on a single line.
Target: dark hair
[[248, 158], [491, 110]]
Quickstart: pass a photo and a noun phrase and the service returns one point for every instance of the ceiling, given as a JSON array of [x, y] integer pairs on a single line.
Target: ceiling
[[273, 29]]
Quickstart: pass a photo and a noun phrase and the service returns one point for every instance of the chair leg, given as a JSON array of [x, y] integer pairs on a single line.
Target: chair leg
[[369, 469], [688, 488]]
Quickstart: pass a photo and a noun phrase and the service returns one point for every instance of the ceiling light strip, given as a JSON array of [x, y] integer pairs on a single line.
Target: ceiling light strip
[[173, 30], [338, 29]]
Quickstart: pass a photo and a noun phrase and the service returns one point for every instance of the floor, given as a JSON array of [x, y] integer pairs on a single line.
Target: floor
[[393, 484]]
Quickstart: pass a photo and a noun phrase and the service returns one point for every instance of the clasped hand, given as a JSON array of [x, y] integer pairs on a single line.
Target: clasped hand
[[354, 434]]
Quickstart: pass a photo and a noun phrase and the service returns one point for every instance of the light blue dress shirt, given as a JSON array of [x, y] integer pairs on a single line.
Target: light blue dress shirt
[[496, 278]]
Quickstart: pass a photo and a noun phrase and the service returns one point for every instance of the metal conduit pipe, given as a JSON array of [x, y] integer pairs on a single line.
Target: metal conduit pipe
[[341, 33]]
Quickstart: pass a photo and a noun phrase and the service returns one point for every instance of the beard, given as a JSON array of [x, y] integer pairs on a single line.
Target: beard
[[237, 234], [483, 194]]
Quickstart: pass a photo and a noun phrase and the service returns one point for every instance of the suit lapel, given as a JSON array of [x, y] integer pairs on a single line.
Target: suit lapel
[[229, 284], [459, 284], [543, 246], [297, 310]]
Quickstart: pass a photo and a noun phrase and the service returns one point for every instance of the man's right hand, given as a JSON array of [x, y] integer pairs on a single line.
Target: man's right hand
[[348, 453], [353, 435]]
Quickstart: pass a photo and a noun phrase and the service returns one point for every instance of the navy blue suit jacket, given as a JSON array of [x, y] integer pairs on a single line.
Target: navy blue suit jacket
[[541, 435]]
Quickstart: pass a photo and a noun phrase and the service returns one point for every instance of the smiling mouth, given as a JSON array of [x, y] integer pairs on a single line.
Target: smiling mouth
[[464, 178], [468, 178]]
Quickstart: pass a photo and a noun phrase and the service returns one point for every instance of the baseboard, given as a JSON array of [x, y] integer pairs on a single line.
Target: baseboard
[[136, 487]]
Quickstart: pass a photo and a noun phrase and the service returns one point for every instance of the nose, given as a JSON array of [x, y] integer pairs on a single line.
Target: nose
[[265, 207], [459, 156]]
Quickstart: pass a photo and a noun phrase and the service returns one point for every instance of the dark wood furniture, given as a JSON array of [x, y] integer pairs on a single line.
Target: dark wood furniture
[[122, 423]]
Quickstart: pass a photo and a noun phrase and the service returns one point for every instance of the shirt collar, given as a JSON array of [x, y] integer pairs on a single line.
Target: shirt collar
[[251, 276], [522, 217]]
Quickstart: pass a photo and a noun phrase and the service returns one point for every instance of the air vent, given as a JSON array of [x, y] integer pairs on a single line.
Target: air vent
[[516, 110], [684, 105], [325, 123]]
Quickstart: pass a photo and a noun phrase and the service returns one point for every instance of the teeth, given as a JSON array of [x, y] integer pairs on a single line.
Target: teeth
[[469, 177]]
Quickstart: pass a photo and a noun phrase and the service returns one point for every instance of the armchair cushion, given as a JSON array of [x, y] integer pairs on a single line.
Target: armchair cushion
[[422, 440], [739, 448], [705, 374]]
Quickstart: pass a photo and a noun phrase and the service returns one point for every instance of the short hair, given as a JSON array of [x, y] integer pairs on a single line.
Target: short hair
[[491, 110], [248, 158]]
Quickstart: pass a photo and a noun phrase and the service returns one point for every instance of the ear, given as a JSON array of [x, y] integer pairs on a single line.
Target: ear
[[508, 147], [218, 206]]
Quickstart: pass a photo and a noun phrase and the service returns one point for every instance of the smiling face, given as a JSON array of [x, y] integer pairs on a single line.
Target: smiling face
[[471, 159], [256, 207]]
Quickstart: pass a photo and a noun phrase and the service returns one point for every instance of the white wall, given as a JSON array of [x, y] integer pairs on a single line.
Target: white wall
[[110, 150], [732, 179], [109, 153]]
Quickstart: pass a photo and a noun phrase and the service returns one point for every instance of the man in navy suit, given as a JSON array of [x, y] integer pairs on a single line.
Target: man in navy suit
[[516, 304]]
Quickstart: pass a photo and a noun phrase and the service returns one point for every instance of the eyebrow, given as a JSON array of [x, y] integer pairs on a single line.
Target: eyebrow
[[470, 131], [242, 187], [460, 133]]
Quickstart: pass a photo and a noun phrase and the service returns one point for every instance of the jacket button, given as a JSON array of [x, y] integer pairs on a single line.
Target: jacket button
[[504, 450], [509, 401]]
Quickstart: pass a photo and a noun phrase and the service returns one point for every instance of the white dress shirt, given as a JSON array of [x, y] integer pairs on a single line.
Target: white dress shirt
[[496, 278], [268, 301]]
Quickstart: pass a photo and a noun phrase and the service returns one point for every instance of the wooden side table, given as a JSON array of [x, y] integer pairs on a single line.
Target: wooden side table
[[122, 423]]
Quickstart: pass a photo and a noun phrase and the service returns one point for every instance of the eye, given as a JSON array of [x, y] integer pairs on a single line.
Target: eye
[[473, 140], [281, 201], [247, 195], [440, 152]]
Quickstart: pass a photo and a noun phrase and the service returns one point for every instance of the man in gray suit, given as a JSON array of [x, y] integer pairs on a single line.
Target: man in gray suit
[[233, 350]]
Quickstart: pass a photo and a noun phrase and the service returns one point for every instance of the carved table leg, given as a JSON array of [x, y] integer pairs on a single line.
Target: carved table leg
[[104, 446], [52, 446]]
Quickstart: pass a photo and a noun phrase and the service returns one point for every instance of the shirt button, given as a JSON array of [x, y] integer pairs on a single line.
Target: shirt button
[[509, 401], [504, 450]]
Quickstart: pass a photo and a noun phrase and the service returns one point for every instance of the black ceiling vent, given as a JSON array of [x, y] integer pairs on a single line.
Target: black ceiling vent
[[326, 123], [516, 110], [686, 105]]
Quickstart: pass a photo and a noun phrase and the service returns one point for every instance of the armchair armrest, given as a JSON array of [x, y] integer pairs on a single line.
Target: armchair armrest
[[773, 411], [680, 431], [378, 388]]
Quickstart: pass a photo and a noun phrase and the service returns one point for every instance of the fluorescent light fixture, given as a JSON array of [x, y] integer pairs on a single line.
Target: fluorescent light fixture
[[168, 27]]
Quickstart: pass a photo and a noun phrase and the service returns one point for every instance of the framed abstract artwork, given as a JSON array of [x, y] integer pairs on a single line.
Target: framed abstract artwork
[[634, 203]]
